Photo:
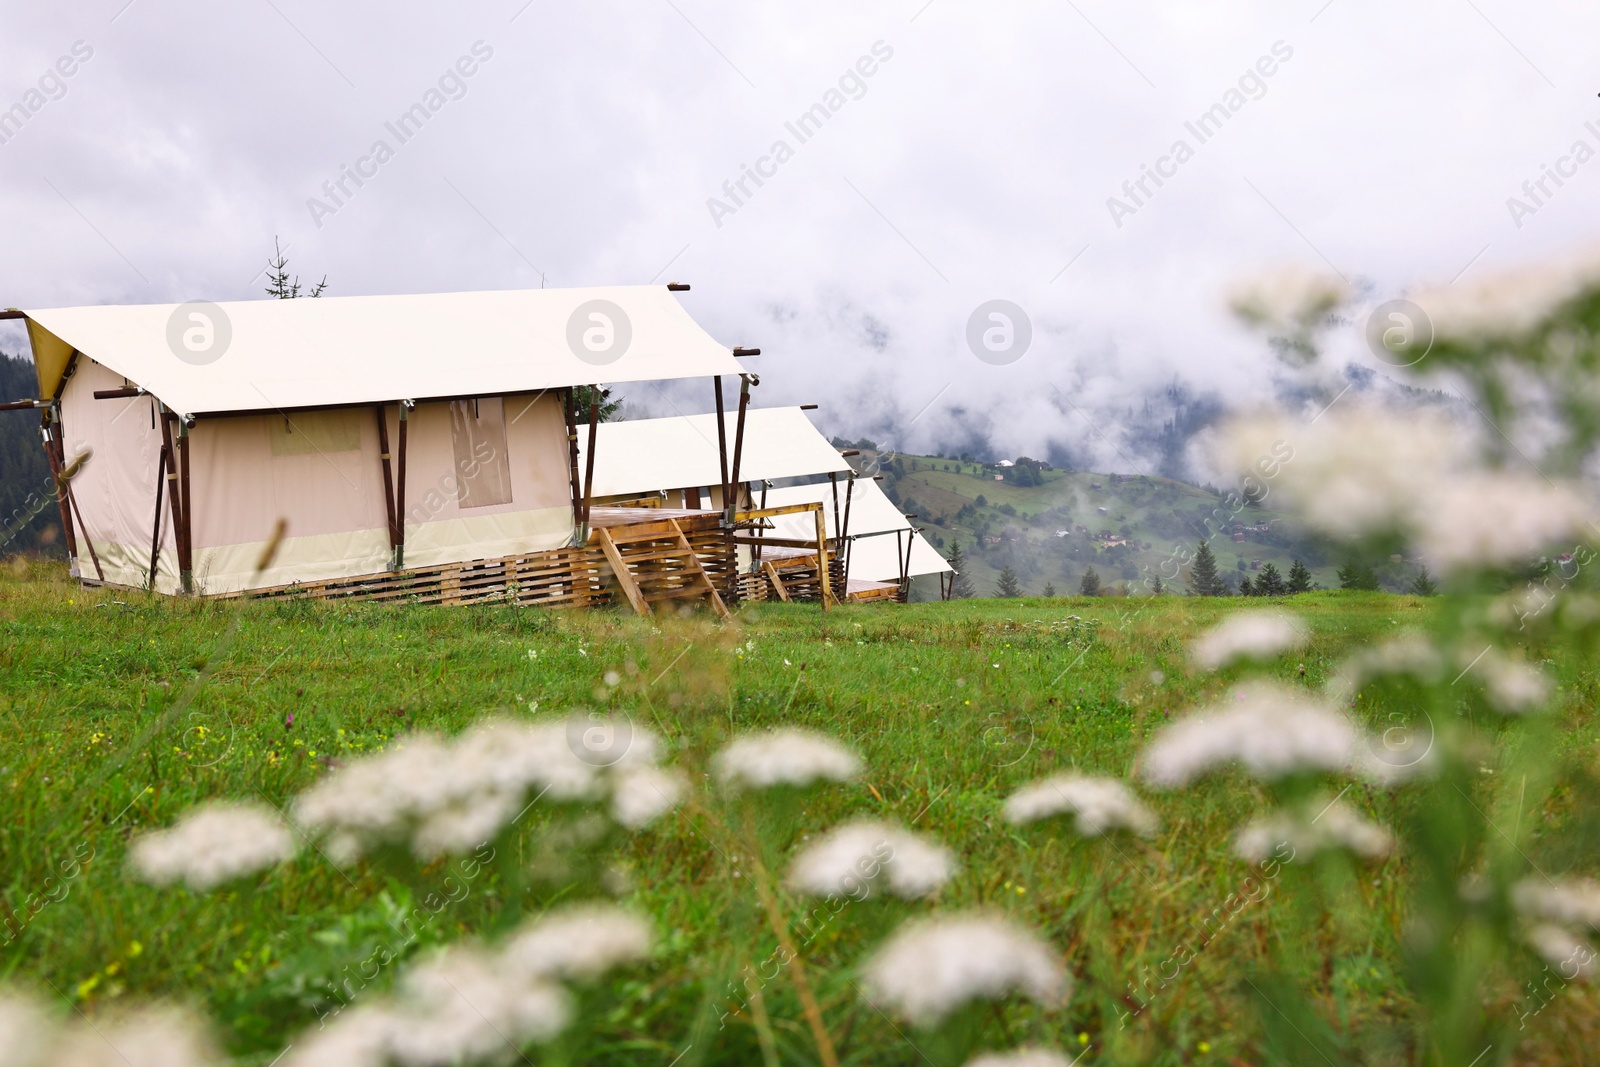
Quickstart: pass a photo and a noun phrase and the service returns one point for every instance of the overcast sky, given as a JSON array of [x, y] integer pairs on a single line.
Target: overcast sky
[[974, 162]]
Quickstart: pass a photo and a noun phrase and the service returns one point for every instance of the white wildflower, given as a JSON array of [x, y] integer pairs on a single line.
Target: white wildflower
[[153, 1037], [212, 844], [1248, 635], [1022, 1057], [1568, 954], [454, 796], [26, 1032], [933, 967], [1512, 686], [1409, 655], [358, 1037], [460, 1006], [1569, 902], [1335, 826], [1271, 730], [640, 795], [577, 943], [1494, 518], [1098, 804], [785, 757], [1291, 298], [1508, 304], [1350, 473], [848, 861]]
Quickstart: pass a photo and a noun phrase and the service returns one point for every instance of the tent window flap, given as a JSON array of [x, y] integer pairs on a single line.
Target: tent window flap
[[478, 437]]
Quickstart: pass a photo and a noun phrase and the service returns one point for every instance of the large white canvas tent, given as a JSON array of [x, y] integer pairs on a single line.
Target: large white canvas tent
[[878, 533], [430, 428], [639, 458]]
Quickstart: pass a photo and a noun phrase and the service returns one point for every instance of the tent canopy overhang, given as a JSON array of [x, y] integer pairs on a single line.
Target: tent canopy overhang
[[285, 355]]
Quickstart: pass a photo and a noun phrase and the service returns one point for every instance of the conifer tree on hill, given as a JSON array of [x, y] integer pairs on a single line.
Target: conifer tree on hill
[[1269, 582], [1008, 586], [1203, 577], [1090, 586], [960, 584], [1299, 577]]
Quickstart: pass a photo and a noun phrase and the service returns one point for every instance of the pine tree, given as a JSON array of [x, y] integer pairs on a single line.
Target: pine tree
[[1203, 577], [1423, 584], [1358, 575], [1269, 582], [278, 283], [960, 584], [1299, 577], [1090, 586], [584, 395], [1246, 588], [1156, 588], [1049, 589], [1008, 586]]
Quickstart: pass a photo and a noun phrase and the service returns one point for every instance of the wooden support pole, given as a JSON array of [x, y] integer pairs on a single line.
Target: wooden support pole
[[400, 489], [838, 530], [388, 478], [822, 558], [50, 435], [568, 402], [88, 541], [738, 442], [186, 540], [849, 546], [588, 472], [775, 581], [174, 502], [722, 444], [155, 536]]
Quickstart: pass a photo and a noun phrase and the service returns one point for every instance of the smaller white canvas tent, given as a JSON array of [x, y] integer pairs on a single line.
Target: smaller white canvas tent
[[662, 458]]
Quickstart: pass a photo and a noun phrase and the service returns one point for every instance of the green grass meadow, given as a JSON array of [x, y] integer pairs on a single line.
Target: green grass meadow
[[123, 710]]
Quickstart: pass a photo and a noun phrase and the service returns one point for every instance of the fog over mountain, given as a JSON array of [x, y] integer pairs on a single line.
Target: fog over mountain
[[844, 184]]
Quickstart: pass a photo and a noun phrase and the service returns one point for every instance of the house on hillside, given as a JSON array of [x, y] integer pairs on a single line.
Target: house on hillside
[[417, 446]]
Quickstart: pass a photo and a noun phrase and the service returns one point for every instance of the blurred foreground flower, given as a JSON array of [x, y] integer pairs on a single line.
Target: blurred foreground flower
[[850, 860], [152, 1037], [1335, 826], [212, 844], [1291, 299], [1363, 472], [471, 1004], [1022, 1057], [1248, 635], [784, 757], [453, 796], [1271, 730], [931, 968], [1097, 804]]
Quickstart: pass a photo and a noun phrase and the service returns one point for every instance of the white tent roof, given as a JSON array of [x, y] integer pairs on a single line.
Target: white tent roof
[[646, 455], [286, 354], [871, 513]]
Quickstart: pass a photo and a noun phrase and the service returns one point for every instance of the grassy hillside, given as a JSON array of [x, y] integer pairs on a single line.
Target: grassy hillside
[[123, 710], [1001, 523]]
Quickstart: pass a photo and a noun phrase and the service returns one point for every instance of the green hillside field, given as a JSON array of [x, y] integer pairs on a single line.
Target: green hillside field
[[124, 710]]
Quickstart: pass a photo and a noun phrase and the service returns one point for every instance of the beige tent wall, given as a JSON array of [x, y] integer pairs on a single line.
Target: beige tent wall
[[539, 515], [326, 484], [330, 498], [116, 489]]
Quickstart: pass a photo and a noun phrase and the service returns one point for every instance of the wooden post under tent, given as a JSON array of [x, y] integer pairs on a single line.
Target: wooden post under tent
[[418, 447], [678, 463]]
